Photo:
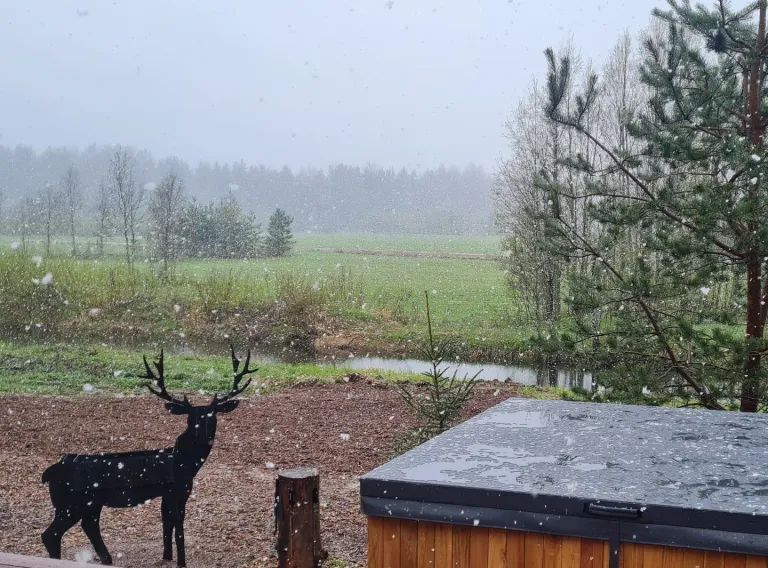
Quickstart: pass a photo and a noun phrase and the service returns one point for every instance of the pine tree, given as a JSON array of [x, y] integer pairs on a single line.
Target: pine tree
[[696, 196], [279, 239]]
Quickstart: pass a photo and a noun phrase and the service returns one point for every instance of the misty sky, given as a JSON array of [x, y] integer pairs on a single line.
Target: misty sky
[[409, 83]]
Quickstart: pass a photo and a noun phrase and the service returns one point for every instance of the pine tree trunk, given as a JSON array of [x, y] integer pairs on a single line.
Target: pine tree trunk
[[750, 390], [751, 384]]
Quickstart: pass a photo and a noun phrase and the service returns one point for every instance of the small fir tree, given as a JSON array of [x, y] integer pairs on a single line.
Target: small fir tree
[[279, 240], [447, 394]]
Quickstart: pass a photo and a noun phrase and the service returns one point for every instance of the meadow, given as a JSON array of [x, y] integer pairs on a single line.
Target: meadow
[[375, 296]]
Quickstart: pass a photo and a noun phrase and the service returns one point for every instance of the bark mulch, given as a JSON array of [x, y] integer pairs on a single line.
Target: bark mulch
[[229, 516]]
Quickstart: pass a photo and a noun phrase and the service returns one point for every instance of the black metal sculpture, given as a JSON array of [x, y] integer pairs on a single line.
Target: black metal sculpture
[[80, 485]]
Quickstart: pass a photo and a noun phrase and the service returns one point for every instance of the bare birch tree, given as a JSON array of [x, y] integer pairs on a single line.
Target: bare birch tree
[[72, 200], [165, 212], [522, 200], [103, 214], [25, 219], [127, 198], [516, 195], [48, 201]]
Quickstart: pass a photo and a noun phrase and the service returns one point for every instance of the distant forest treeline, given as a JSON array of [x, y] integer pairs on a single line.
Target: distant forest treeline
[[339, 198]]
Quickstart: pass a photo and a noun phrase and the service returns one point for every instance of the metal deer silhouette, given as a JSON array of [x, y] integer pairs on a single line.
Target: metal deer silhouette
[[81, 485]]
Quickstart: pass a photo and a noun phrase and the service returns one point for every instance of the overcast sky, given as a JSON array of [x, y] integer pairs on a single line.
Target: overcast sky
[[413, 83]]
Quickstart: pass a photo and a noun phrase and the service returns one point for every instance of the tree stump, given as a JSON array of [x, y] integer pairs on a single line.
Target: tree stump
[[297, 518]]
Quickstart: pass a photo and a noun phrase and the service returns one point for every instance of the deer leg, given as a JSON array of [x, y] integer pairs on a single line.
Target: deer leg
[[178, 517], [90, 526], [63, 520], [167, 514]]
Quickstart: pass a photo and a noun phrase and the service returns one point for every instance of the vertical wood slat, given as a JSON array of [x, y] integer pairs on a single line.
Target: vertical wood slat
[[443, 545], [375, 542], [553, 551], [632, 556], [571, 552], [515, 550], [409, 544], [673, 558], [534, 550], [757, 562], [653, 556], [734, 561], [693, 559], [713, 559], [478, 548], [497, 548], [392, 542], [461, 546], [426, 546], [593, 553]]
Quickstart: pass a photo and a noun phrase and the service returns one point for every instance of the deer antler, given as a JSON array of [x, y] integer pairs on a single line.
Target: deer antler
[[159, 380], [237, 376]]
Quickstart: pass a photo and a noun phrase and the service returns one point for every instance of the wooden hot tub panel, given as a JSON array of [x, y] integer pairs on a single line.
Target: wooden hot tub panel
[[394, 543]]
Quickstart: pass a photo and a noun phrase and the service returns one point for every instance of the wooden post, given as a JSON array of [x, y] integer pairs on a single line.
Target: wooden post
[[297, 518]]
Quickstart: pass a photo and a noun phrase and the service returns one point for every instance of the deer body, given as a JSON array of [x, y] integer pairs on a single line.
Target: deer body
[[81, 485]]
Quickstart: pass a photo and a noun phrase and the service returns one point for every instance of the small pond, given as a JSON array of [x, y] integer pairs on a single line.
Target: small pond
[[542, 375], [535, 376]]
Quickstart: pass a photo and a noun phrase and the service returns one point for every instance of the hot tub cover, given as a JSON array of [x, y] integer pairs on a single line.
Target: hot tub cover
[[644, 465]]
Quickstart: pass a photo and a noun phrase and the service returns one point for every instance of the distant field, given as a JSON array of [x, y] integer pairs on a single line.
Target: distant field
[[475, 244], [406, 243]]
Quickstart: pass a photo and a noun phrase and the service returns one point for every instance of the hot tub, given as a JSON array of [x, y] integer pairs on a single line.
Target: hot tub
[[535, 484]]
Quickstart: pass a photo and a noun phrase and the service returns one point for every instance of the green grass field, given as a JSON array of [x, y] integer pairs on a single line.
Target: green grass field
[[469, 298], [70, 370]]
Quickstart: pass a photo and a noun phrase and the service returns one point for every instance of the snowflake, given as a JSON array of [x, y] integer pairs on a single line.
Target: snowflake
[[44, 281]]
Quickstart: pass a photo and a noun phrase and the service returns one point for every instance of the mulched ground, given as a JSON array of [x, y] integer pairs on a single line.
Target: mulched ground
[[229, 517]]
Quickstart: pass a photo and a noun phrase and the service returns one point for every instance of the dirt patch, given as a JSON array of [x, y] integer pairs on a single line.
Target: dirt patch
[[229, 516]]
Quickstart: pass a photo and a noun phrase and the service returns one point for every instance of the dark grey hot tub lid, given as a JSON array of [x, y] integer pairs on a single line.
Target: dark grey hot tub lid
[[648, 467]]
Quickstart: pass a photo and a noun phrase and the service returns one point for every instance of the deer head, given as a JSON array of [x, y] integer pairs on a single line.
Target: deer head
[[201, 420]]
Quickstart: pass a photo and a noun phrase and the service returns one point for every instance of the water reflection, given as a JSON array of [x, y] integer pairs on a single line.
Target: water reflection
[[544, 376]]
